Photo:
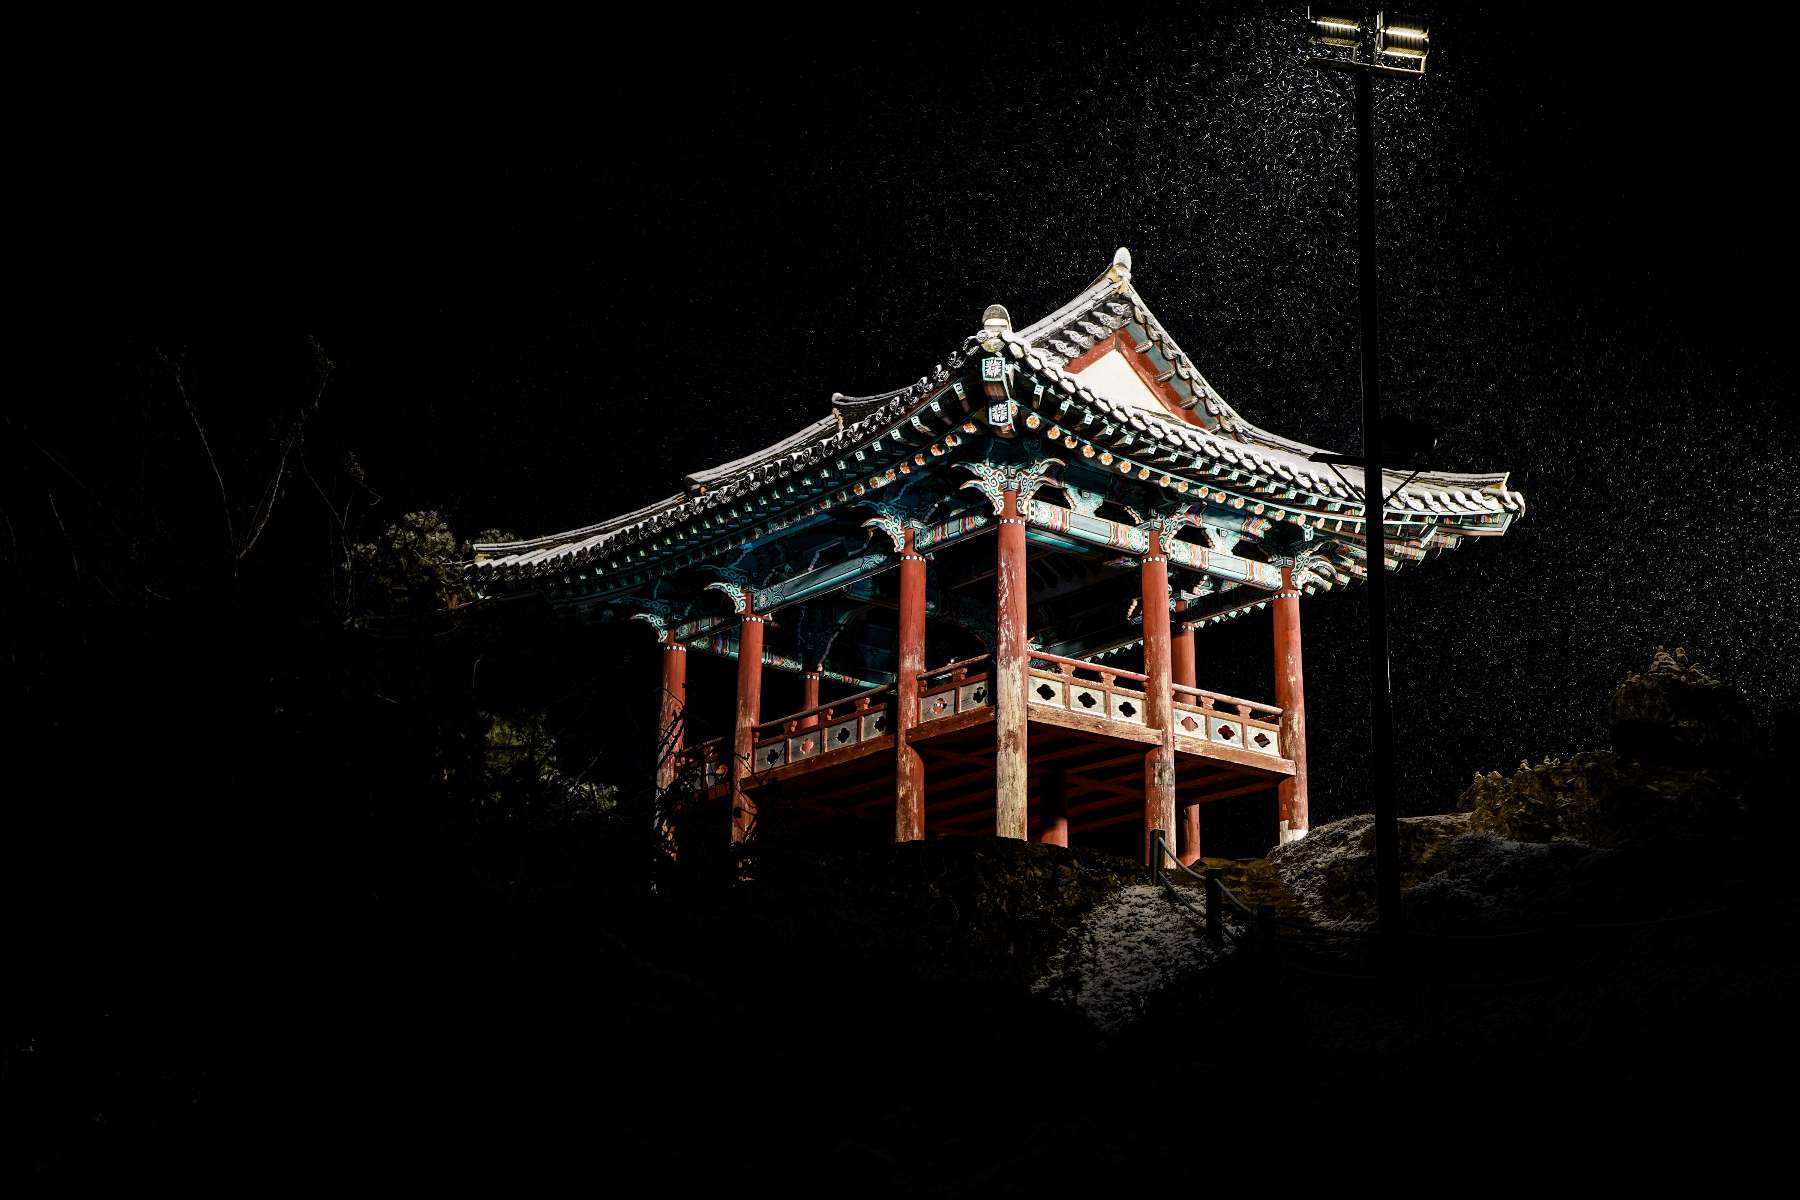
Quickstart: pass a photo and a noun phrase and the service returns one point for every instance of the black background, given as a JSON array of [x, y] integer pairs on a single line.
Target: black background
[[549, 291], [555, 270]]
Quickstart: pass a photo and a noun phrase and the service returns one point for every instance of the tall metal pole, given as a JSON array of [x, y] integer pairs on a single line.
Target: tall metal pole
[[1381, 706]]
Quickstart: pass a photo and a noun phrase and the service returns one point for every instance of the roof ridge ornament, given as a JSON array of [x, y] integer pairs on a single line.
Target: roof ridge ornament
[[996, 323], [1121, 265]]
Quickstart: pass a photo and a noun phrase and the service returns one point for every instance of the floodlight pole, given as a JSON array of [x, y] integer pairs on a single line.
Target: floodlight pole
[[1381, 700], [1381, 704]]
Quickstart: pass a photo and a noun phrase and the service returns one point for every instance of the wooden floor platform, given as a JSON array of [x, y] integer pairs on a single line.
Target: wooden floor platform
[[1098, 765]]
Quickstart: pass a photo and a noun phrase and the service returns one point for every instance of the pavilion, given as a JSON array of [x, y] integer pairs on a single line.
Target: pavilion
[[1127, 504]]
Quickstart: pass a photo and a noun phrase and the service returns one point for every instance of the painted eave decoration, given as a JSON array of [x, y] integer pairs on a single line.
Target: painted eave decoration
[[1100, 379]]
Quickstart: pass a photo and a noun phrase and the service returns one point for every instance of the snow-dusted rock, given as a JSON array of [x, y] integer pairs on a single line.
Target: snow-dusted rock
[[1133, 945]]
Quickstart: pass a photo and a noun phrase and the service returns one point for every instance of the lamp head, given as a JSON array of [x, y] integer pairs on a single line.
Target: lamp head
[[1333, 27], [1394, 45], [1401, 43]]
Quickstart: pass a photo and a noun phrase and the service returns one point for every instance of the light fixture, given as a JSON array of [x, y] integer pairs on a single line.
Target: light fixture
[[1401, 42], [1333, 27], [1399, 47]]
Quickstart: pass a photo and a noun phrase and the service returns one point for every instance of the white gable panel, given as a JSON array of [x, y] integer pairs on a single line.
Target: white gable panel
[[1112, 376]]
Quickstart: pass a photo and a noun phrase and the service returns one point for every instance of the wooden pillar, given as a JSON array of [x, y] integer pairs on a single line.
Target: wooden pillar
[[909, 769], [1181, 655], [1010, 780], [1055, 797], [809, 698], [670, 702], [749, 712], [1159, 706], [1290, 694]]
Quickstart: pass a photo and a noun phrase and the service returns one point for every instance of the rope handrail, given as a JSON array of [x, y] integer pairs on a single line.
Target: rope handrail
[[1160, 841], [1216, 893]]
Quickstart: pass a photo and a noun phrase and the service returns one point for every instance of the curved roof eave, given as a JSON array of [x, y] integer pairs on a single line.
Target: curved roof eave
[[1115, 283], [855, 421]]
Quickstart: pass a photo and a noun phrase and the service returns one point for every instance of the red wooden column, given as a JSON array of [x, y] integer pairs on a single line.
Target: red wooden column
[[1290, 694], [670, 702], [909, 768], [1010, 780], [1181, 654], [1055, 828], [749, 712], [1159, 706], [809, 698]]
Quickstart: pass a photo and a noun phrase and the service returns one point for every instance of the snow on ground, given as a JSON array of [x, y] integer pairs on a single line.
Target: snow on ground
[[1131, 946]]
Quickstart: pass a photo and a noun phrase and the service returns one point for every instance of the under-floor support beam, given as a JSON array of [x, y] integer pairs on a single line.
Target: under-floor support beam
[[1055, 828]]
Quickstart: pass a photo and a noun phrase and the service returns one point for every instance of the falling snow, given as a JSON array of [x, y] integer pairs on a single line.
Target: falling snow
[[550, 309]]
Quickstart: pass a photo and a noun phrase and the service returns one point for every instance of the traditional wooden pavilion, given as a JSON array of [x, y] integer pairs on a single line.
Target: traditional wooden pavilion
[[1047, 516]]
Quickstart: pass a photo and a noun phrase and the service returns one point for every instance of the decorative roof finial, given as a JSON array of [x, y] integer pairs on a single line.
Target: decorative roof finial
[[1122, 263], [994, 322]]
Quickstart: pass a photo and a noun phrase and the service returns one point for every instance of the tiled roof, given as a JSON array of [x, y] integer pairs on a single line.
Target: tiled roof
[[1246, 464]]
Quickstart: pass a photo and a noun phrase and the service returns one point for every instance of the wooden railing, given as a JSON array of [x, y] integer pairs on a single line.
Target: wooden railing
[[710, 760], [848, 721], [1227, 720], [955, 687], [1104, 692], [1064, 684]]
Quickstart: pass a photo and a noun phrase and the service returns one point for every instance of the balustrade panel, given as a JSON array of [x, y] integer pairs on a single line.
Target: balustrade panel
[[839, 725], [954, 688]]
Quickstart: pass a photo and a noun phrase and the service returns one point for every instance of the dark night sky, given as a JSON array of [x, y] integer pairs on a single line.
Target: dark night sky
[[546, 301]]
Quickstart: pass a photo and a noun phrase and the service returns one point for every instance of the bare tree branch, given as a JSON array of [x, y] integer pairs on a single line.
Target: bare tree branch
[[73, 561], [337, 538], [265, 508], [224, 499]]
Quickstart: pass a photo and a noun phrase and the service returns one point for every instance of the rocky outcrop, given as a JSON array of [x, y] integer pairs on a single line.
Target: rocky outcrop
[[1674, 714], [1132, 946], [1603, 799], [1486, 884], [1330, 873], [1683, 747]]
